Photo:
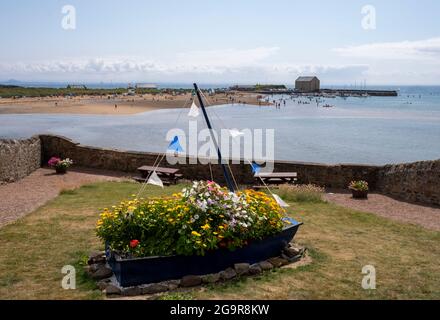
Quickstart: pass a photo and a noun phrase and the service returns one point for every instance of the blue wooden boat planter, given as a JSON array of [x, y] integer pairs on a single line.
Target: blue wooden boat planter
[[138, 271]]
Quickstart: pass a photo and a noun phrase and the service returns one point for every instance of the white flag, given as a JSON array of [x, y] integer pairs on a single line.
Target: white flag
[[194, 111], [280, 201], [235, 133], [155, 180]]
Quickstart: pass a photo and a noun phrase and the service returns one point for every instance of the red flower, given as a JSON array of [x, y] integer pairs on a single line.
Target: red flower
[[134, 243]]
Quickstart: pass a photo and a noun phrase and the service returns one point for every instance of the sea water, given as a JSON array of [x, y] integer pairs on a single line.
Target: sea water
[[372, 130]]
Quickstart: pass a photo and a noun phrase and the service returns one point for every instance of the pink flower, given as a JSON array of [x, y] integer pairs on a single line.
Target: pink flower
[[53, 161]]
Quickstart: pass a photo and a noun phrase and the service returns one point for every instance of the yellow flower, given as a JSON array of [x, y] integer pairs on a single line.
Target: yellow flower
[[195, 233], [206, 227]]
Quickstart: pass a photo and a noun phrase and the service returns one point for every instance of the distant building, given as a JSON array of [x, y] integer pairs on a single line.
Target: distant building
[[76, 86], [259, 87], [307, 84]]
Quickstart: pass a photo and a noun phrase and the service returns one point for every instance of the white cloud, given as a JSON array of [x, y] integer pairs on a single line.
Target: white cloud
[[228, 57], [225, 65], [428, 50]]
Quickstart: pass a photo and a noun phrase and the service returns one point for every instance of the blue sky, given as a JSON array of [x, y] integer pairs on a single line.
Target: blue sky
[[223, 41]]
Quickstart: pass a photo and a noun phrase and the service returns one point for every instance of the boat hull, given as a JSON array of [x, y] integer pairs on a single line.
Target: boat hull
[[133, 272]]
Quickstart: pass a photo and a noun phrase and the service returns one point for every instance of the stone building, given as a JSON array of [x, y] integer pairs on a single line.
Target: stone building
[[307, 84]]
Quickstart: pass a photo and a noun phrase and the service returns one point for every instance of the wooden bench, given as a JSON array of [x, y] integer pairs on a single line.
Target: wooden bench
[[167, 175], [275, 178]]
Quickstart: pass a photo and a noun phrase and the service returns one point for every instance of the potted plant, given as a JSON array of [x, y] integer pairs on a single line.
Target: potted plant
[[359, 189], [202, 230], [60, 165]]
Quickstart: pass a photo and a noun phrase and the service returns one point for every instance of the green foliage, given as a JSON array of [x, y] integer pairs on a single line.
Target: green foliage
[[358, 185], [204, 217]]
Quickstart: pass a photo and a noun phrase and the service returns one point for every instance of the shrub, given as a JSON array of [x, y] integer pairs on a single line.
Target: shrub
[[301, 193], [202, 217]]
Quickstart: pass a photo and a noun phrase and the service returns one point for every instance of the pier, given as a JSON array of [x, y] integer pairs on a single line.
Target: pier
[[335, 92]]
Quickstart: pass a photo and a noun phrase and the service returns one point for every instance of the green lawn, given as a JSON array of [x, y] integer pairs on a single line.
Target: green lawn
[[340, 242]]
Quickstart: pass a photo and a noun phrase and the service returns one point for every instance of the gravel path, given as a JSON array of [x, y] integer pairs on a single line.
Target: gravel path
[[425, 216], [22, 197]]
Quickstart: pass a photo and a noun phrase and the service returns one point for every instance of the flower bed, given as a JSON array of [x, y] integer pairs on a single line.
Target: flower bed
[[200, 219]]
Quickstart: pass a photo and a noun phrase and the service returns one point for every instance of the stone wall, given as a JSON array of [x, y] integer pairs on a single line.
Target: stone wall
[[416, 182], [19, 158], [337, 176]]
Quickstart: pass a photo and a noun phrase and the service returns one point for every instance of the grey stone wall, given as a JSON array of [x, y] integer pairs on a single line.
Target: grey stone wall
[[19, 158], [337, 176], [416, 182]]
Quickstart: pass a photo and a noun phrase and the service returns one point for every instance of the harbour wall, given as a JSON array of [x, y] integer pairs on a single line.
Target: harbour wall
[[19, 158]]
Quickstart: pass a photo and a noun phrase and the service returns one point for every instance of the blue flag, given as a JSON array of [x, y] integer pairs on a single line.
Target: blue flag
[[255, 168], [175, 145]]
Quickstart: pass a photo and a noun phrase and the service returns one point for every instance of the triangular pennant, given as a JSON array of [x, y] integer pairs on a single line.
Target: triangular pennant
[[155, 180], [255, 168], [175, 145], [194, 111], [235, 133], [280, 201]]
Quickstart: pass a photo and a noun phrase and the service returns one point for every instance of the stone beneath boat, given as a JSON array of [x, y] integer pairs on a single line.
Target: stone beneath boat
[[278, 262], [172, 284], [291, 252], [266, 265], [131, 291], [241, 268], [102, 273], [97, 257], [191, 281], [211, 278], [228, 274], [103, 284], [255, 269], [154, 288], [111, 289]]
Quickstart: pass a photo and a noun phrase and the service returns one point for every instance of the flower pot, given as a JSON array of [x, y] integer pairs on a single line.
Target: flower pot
[[358, 194], [138, 271], [60, 170]]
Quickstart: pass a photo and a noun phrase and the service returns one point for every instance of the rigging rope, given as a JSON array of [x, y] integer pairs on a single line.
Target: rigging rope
[[234, 140], [163, 155]]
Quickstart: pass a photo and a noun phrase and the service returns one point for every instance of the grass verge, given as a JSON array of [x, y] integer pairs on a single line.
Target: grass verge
[[341, 241]]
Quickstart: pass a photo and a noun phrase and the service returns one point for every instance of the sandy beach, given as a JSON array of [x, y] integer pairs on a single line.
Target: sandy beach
[[113, 105]]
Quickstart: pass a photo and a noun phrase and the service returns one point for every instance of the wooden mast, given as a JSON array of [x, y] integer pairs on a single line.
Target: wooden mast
[[225, 170]]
